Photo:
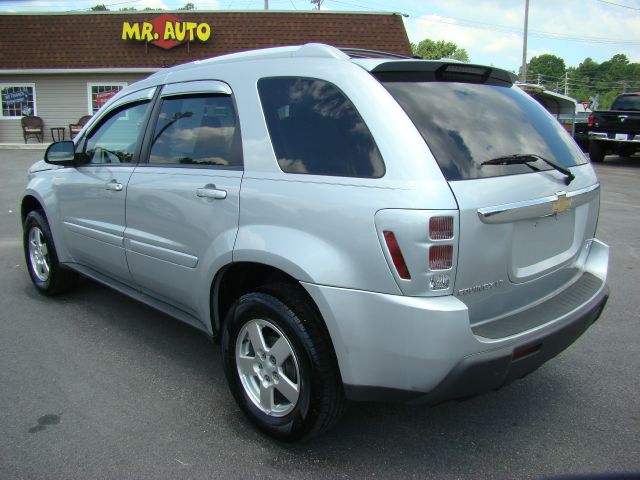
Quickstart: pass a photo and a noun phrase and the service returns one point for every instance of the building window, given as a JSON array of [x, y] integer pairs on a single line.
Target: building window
[[18, 100], [100, 93]]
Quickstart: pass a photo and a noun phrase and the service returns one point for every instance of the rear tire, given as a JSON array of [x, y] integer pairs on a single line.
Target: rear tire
[[596, 151], [280, 365], [42, 259], [626, 151]]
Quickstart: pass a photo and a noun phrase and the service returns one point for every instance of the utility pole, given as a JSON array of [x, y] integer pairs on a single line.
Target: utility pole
[[266, 4], [524, 41], [624, 86], [566, 83]]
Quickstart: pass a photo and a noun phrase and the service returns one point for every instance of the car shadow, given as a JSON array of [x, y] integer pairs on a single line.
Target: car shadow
[[615, 160]]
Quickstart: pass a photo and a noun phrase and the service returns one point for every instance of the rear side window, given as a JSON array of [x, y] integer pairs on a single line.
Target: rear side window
[[315, 129], [466, 124], [196, 131]]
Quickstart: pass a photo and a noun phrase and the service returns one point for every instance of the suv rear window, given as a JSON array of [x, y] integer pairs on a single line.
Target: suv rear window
[[466, 124], [316, 130], [627, 102]]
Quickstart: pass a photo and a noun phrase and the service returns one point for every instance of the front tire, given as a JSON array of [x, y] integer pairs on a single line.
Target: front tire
[[280, 365], [42, 259]]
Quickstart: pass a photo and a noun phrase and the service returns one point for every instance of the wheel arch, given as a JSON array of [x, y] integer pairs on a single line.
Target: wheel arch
[[238, 278], [30, 203], [33, 199]]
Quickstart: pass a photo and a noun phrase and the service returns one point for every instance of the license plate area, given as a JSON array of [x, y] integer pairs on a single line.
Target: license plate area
[[541, 245]]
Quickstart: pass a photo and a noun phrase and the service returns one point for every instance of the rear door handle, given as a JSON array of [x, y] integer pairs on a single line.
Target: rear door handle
[[113, 186], [210, 191]]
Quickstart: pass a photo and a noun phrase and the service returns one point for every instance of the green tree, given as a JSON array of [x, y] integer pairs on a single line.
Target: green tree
[[128, 9], [101, 7], [431, 49], [188, 6], [547, 69], [606, 80]]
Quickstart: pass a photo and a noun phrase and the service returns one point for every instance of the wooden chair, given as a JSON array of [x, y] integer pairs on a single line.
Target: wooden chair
[[32, 126], [74, 128]]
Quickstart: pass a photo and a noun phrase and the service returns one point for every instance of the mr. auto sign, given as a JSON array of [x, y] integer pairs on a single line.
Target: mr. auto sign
[[166, 31]]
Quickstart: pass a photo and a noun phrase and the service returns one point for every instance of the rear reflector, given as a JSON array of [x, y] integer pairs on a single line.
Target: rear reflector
[[526, 351], [440, 257], [396, 255], [440, 228]]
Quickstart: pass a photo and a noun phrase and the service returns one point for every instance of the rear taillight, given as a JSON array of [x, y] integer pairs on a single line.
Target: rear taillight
[[420, 248], [440, 257], [441, 228], [396, 255], [591, 120], [439, 282], [441, 252]]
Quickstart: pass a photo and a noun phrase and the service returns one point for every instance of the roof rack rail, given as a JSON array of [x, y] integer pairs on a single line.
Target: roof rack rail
[[365, 53]]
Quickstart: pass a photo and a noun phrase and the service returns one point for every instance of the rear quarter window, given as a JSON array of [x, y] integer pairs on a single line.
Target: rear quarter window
[[316, 130]]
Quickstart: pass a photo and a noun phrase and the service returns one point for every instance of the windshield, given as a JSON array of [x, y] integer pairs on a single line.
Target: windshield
[[627, 102], [466, 124]]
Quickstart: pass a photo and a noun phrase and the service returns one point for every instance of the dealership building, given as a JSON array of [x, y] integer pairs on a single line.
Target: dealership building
[[62, 67]]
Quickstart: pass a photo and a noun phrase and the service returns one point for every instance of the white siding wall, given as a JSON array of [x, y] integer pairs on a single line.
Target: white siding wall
[[60, 100]]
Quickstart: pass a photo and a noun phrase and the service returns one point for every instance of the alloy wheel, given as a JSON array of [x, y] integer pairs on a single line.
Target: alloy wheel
[[268, 368], [39, 254]]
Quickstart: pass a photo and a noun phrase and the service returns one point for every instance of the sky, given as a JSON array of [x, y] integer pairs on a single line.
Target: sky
[[490, 30]]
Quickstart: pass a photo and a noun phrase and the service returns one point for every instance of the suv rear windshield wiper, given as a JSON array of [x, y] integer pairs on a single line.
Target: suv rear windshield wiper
[[525, 159]]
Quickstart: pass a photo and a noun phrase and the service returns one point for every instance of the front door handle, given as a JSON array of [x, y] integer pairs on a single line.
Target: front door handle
[[210, 191], [113, 186]]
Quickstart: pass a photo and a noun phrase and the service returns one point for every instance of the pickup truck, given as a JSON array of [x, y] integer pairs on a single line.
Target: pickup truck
[[616, 130]]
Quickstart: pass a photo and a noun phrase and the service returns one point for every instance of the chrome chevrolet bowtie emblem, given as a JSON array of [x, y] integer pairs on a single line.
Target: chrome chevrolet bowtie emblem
[[562, 204]]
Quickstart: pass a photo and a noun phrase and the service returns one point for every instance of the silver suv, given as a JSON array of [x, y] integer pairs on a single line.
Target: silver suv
[[348, 227]]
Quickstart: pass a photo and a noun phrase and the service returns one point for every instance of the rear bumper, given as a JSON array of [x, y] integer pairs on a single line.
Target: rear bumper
[[423, 349], [486, 371], [629, 138]]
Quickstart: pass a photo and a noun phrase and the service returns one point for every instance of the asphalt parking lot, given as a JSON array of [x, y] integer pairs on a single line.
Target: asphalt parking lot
[[95, 385]]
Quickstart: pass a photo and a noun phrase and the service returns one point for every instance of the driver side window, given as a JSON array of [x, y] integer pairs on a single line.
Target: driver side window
[[114, 141]]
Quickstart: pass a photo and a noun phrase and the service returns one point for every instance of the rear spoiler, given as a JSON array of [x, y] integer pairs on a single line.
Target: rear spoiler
[[447, 70]]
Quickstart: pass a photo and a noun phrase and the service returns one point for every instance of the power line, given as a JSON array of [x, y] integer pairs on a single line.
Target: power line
[[464, 23], [619, 5], [534, 33]]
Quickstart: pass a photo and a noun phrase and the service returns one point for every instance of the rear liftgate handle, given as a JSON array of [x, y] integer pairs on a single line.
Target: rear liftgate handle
[[210, 191]]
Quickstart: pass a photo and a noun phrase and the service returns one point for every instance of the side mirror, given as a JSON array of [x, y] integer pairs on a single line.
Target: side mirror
[[61, 153]]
